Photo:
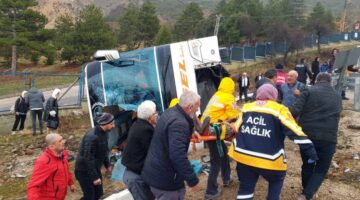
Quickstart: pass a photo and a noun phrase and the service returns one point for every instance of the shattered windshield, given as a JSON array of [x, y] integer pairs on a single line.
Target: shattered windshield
[[128, 86]]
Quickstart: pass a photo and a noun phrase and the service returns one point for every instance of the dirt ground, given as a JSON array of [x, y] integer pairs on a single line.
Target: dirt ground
[[18, 153]]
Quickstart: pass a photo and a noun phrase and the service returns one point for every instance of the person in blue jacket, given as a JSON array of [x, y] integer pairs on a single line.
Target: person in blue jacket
[[167, 167]]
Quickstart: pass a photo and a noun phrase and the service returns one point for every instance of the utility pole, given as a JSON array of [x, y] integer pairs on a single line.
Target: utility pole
[[217, 24], [343, 18]]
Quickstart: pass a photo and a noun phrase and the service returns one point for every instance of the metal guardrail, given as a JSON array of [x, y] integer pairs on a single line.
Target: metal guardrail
[[349, 81], [352, 82]]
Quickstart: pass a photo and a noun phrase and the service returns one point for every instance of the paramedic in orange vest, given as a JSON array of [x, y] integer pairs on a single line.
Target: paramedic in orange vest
[[221, 107]]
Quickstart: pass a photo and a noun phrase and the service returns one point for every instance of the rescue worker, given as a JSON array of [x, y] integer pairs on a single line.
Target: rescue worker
[[221, 107], [258, 148]]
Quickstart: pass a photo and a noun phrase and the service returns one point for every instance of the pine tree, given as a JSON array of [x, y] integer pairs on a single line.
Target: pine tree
[[163, 36], [149, 23], [91, 33], [320, 22], [18, 23], [186, 25]]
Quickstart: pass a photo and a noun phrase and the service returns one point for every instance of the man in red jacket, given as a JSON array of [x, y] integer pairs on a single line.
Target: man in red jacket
[[51, 176]]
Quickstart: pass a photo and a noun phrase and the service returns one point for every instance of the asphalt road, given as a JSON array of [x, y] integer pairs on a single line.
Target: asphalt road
[[70, 99]]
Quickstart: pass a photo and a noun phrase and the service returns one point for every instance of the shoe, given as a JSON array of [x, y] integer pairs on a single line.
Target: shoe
[[13, 132], [213, 196], [228, 182]]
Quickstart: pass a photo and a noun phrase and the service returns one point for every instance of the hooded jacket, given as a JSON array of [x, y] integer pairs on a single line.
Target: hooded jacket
[[52, 105], [222, 104], [36, 99], [21, 106], [51, 177]]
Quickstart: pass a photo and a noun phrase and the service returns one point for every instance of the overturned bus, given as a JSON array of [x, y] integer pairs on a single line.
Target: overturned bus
[[118, 82]]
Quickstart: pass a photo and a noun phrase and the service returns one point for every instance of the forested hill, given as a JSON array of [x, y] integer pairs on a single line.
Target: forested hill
[[167, 10]]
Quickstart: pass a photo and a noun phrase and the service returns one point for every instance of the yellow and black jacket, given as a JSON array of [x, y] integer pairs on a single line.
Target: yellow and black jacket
[[262, 127]]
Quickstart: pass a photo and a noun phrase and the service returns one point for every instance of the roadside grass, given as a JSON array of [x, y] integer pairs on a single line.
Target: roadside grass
[[13, 85]]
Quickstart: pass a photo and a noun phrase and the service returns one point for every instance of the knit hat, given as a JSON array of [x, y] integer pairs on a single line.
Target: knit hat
[[104, 118], [279, 66], [266, 92]]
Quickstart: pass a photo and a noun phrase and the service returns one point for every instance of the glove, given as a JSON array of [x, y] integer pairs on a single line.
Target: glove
[[52, 113], [311, 161]]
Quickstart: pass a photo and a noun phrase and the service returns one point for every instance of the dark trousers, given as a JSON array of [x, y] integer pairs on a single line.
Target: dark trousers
[[21, 119], [217, 163], [243, 91], [168, 195], [37, 113], [90, 191], [248, 177], [137, 187], [313, 175]]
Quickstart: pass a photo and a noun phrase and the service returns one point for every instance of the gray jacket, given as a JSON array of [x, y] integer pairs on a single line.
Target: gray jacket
[[319, 110], [36, 99]]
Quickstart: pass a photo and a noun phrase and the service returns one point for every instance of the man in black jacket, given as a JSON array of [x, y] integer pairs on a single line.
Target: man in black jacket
[[138, 142], [319, 110], [167, 166], [93, 153]]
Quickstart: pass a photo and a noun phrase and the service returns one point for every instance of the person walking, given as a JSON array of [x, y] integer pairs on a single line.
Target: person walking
[[303, 71], [21, 108], [36, 100], [92, 155], [318, 109], [244, 84], [138, 142], [167, 167], [51, 114], [221, 107], [51, 175], [258, 148], [315, 69]]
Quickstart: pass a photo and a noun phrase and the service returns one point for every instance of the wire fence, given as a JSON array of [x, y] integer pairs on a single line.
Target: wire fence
[[265, 49]]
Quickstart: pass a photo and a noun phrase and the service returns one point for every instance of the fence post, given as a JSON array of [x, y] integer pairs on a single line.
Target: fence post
[[357, 94], [33, 80]]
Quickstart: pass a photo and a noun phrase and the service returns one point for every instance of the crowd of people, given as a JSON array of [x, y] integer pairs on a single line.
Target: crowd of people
[[156, 152], [33, 101]]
